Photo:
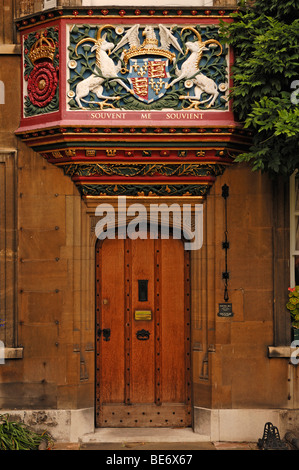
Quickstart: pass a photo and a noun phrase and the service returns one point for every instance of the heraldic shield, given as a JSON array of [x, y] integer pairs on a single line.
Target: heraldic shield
[[148, 78]]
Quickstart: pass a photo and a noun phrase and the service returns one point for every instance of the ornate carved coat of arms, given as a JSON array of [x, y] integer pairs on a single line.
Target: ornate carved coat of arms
[[151, 65]]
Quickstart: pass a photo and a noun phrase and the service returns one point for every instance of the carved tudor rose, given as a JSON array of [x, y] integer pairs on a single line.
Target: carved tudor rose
[[41, 73], [42, 84]]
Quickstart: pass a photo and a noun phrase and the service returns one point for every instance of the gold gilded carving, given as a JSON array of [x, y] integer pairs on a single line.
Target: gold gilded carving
[[43, 49], [110, 152], [41, 85], [182, 153], [70, 153], [149, 45], [57, 154], [142, 51], [90, 153]]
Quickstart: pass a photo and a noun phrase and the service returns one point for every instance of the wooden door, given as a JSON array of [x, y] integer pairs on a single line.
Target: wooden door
[[142, 333]]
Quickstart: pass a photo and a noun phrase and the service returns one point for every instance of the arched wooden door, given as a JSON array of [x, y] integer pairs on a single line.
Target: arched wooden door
[[142, 333]]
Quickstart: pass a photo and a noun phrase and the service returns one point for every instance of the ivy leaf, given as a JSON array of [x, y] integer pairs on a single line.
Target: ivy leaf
[[265, 41]]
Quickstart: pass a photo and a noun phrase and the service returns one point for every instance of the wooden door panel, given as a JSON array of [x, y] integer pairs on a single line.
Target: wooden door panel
[[143, 351], [143, 382], [173, 334], [111, 304]]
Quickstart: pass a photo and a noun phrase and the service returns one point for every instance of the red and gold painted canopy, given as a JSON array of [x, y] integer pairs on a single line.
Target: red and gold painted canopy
[[130, 102]]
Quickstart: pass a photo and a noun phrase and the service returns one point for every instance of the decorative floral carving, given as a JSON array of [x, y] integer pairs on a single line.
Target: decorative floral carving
[[176, 190], [41, 65], [42, 84]]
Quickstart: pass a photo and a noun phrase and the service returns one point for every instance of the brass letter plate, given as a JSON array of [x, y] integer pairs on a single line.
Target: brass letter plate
[[144, 315]]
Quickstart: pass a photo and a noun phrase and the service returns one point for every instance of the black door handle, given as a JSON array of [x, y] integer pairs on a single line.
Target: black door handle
[[143, 335], [106, 333]]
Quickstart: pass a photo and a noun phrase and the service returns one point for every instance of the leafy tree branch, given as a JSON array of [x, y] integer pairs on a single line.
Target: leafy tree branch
[[265, 92]]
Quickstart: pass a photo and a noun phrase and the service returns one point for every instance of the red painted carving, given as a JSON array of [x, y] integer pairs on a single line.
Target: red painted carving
[[42, 84]]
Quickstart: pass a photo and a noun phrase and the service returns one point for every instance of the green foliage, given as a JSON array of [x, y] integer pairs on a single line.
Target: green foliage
[[16, 436], [265, 42], [293, 305]]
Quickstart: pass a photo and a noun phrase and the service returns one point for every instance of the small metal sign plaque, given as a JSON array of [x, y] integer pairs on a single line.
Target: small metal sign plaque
[[143, 315], [225, 310]]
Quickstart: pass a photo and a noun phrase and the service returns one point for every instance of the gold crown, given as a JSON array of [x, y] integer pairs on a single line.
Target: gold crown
[[133, 52], [43, 49]]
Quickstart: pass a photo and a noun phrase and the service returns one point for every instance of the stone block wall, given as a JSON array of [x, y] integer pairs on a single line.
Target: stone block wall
[[231, 364], [42, 320]]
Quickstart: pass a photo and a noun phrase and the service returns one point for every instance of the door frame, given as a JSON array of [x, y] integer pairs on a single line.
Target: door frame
[[188, 328]]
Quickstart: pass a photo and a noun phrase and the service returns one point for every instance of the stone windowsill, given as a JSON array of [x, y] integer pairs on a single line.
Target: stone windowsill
[[8, 49], [280, 351], [13, 353]]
